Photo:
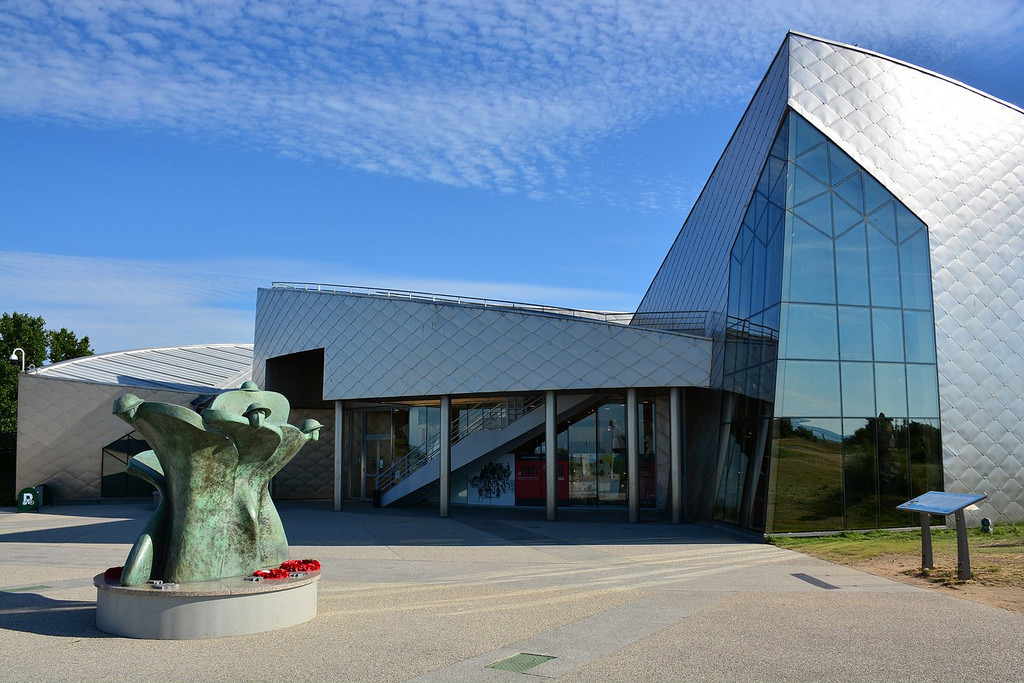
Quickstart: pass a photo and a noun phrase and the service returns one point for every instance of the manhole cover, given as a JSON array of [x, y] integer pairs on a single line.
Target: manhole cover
[[520, 662]]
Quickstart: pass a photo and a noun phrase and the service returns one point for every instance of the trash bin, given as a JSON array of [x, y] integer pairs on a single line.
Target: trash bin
[[376, 499], [29, 499]]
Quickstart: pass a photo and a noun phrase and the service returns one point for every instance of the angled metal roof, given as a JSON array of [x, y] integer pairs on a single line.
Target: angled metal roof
[[200, 368]]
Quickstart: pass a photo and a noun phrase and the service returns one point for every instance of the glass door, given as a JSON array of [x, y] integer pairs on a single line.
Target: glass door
[[611, 458], [377, 459], [583, 461], [377, 449]]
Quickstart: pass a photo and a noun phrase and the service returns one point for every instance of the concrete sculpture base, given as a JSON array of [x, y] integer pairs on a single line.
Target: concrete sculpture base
[[208, 609]]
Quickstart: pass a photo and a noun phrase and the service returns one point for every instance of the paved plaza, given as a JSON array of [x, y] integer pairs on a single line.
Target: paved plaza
[[405, 595]]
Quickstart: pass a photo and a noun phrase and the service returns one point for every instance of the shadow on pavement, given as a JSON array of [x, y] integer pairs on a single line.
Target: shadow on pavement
[[33, 613]]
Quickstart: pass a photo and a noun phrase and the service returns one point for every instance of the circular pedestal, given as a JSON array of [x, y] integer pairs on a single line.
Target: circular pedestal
[[211, 609]]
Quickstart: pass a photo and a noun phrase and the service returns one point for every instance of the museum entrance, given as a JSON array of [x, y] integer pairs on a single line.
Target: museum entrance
[[592, 459]]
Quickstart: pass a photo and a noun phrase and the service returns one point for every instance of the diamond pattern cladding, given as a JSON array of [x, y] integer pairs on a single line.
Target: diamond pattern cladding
[[955, 157], [378, 347], [63, 426]]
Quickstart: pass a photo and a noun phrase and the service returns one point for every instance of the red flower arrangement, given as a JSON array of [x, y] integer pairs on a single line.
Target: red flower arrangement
[[301, 566], [113, 573], [275, 573], [286, 568]]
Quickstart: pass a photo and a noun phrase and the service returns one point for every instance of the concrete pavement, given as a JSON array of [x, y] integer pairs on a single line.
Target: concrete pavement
[[405, 595]]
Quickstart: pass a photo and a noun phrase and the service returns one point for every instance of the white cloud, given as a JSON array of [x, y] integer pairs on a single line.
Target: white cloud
[[128, 304], [502, 95]]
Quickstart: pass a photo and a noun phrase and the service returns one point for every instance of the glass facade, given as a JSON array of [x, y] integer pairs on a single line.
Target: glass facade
[[379, 437], [591, 459], [831, 414]]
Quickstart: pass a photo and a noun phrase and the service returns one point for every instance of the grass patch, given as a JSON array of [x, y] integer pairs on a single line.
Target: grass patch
[[997, 559]]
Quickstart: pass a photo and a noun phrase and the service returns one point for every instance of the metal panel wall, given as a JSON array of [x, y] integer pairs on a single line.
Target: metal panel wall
[[63, 426], [377, 347], [955, 157]]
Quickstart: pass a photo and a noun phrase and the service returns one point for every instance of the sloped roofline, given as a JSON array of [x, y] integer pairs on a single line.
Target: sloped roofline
[[782, 47], [178, 368], [112, 354], [894, 60]]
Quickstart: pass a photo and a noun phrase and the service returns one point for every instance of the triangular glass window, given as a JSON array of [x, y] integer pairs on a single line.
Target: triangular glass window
[[915, 272], [843, 215], [841, 166], [874, 194], [817, 212], [907, 223], [777, 168], [815, 162], [885, 219], [805, 136], [850, 190], [805, 186]]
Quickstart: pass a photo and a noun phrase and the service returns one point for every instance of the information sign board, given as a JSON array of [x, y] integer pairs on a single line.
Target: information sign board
[[940, 502], [943, 503]]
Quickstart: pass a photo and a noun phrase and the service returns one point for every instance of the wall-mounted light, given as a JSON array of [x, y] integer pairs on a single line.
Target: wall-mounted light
[[14, 357]]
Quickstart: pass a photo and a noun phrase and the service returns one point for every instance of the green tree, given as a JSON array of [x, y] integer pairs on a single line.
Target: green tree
[[64, 345], [29, 333]]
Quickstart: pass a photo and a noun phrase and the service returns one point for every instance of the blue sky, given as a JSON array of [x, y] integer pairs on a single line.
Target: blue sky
[[160, 159]]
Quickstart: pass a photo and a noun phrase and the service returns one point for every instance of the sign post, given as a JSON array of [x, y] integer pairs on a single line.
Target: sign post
[[942, 503]]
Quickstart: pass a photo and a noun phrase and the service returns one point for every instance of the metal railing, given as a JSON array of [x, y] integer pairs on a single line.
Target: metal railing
[[484, 415], [743, 328], [428, 297], [684, 322]]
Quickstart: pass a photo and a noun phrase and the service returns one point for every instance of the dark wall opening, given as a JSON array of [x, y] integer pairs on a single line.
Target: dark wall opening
[[300, 377]]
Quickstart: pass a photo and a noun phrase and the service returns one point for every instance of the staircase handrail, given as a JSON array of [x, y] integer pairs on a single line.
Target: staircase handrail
[[512, 409]]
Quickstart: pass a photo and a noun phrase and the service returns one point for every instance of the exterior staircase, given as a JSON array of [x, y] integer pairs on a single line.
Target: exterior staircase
[[477, 433]]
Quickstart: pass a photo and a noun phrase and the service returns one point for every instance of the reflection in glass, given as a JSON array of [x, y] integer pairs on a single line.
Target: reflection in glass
[[810, 275], [893, 470], [891, 389], [852, 267], [808, 388], [922, 391], [858, 389], [884, 268], [583, 461], [854, 333], [817, 212], [884, 218], [835, 286], [915, 272], [887, 329], [844, 216], [810, 332], [860, 474], [919, 333], [808, 493], [611, 454], [925, 456], [739, 451]]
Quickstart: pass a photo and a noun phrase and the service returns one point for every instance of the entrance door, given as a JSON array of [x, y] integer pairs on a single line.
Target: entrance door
[[377, 458]]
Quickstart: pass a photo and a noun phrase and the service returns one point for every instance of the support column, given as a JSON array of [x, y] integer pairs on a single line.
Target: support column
[[339, 442], [550, 456], [754, 472], [632, 456], [676, 453], [445, 457], [729, 403]]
